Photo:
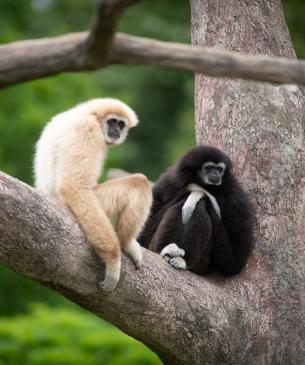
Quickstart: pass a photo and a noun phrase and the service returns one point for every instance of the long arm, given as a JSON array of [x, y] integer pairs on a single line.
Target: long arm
[[232, 242], [196, 239], [77, 172], [190, 205]]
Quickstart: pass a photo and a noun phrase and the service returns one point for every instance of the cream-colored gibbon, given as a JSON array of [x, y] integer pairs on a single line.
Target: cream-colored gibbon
[[69, 159]]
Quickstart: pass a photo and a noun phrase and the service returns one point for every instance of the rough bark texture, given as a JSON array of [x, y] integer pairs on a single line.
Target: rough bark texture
[[262, 128]]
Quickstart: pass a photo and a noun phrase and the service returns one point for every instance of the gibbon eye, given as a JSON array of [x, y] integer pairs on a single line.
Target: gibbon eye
[[209, 168], [111, 122], [121, 124], [220, 169]]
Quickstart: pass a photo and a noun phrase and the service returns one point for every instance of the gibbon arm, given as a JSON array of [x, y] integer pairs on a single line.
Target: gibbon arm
[[97, 227], [78, 170], [190, 205], [227, 252]]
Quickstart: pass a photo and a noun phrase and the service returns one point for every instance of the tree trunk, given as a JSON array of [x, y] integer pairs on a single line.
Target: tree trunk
[[262, 128]]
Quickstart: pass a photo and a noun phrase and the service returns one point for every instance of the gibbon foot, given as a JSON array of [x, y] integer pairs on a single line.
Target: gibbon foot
[[108, 284], [112, 277], [178, 263], [170, 251], [134, 251]]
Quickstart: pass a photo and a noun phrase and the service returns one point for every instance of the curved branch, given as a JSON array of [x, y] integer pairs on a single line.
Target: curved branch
[[108, 15], [32, 59], [179, 315]]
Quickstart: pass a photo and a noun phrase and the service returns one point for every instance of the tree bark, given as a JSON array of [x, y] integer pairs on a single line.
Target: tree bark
[[262, 128]]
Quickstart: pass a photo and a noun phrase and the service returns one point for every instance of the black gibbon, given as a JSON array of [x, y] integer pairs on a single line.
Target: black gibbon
[[69, 159], [201, 218]]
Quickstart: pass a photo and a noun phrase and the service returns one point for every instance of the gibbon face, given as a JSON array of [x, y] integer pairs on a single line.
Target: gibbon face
[[211, 173], [115, 118], [206, 166], [115, 128]]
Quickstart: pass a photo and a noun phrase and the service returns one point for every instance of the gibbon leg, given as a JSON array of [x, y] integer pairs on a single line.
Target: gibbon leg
[[173, 238], [127, 201], [167, 238]]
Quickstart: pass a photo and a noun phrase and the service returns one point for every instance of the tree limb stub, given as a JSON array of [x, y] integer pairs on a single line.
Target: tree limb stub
[[179, 315], [108, 15], [31, 59]]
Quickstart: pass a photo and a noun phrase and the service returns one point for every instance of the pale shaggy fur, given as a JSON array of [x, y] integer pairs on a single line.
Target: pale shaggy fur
[[69, 159]]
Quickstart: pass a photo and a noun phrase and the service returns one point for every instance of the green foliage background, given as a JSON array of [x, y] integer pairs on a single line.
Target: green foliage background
[[163, 99]]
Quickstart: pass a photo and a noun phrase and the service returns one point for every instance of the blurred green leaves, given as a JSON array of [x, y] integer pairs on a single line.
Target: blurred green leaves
[[67, 337]]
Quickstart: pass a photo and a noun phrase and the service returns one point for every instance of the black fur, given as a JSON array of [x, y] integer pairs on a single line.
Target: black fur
[[210, 244]]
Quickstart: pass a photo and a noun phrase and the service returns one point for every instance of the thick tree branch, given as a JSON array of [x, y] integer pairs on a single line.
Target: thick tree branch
[[40, 239], [108, 15], [210, 61], [32, 59]]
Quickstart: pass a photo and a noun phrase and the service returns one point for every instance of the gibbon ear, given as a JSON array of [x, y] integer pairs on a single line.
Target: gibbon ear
[[132, 117], [134, 121]]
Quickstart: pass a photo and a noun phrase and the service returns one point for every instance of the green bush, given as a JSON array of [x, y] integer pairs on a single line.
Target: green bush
[[48, 336]]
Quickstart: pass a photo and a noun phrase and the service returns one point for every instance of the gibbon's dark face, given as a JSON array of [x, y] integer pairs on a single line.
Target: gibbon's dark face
[[115, 128], [211, 173], [205, 165]]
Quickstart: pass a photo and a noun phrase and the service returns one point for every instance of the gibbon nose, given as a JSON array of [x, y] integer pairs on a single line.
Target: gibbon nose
[[114, 133], [214, 177]]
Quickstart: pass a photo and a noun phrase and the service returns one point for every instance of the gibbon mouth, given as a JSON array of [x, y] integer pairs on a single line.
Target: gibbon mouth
[[208, 180], [114, 135], [214, 180]]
